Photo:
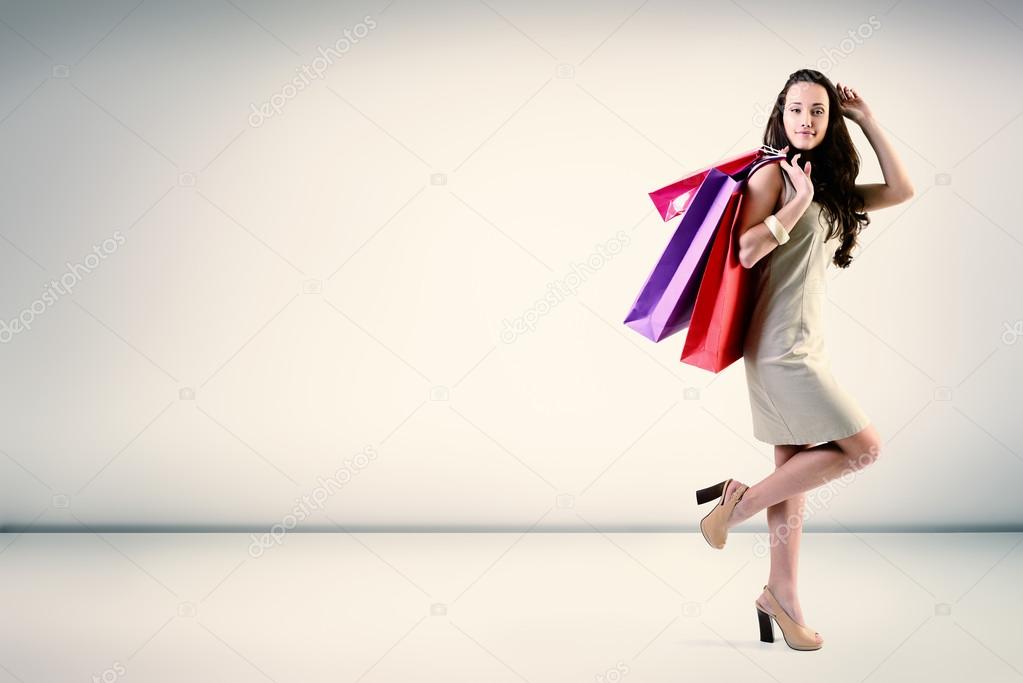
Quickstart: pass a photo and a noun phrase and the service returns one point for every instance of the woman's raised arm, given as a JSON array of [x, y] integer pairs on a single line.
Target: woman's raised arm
[[896, 187]]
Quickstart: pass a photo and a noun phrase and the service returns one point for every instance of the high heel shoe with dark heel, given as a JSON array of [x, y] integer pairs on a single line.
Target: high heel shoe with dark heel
[[797, 636], [714, 526]]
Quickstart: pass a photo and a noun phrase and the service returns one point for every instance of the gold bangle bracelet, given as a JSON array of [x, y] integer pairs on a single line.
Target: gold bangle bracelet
[[781, 235]]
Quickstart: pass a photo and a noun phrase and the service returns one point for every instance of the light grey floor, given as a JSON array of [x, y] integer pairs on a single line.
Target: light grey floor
[[501, 607]]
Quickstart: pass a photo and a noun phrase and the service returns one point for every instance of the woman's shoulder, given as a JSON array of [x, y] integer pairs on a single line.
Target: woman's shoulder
[[766, 179]]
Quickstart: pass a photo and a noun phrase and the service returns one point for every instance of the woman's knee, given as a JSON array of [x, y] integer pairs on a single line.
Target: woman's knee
[[863, 449]]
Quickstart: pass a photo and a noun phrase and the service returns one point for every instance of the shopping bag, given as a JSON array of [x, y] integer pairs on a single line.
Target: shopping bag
[[676, 198], [665, 303], [724, 303]]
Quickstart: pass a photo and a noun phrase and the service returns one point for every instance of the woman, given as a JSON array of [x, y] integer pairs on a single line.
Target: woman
[[795, 222]]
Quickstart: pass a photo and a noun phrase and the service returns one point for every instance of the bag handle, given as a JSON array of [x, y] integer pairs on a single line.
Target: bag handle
[[763, 161]]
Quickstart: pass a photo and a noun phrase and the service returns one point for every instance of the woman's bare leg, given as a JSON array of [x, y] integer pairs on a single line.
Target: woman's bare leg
[[798, 469], [785, 525], [807, 469]]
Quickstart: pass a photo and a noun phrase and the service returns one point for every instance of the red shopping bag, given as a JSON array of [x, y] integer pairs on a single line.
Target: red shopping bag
[[724, 301]]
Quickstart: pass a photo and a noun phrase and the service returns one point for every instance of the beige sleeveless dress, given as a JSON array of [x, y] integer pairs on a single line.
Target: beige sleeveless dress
[[793, 396]]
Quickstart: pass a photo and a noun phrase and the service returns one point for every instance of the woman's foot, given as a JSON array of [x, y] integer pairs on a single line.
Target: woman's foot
[[738, 513], [786, 597], [715, 524]]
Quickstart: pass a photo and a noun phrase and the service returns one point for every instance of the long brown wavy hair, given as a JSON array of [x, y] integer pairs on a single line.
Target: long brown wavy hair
[[835, 164]]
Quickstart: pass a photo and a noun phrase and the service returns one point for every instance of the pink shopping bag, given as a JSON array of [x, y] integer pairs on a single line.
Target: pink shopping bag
[[676, 198]]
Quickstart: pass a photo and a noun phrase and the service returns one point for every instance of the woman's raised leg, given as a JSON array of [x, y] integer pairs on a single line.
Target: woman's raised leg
[[807, 469]]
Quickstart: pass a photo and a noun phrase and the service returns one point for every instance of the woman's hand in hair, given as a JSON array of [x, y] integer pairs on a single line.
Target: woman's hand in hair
[[853, 106]]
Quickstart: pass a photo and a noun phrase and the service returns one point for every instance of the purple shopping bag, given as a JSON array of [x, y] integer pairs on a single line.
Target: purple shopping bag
[[665, 304]]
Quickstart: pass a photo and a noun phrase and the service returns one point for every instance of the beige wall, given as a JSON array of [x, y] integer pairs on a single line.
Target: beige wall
[[268, 298]]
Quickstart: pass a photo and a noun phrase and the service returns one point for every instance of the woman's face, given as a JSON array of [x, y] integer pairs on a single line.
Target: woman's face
[[806, 115]]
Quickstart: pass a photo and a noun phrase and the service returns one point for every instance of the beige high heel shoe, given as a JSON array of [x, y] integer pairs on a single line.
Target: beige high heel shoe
[[714, 525], [797, 636]]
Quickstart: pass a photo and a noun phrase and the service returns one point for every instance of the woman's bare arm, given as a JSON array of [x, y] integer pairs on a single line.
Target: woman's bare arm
[[896, 187], [760, 196]]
